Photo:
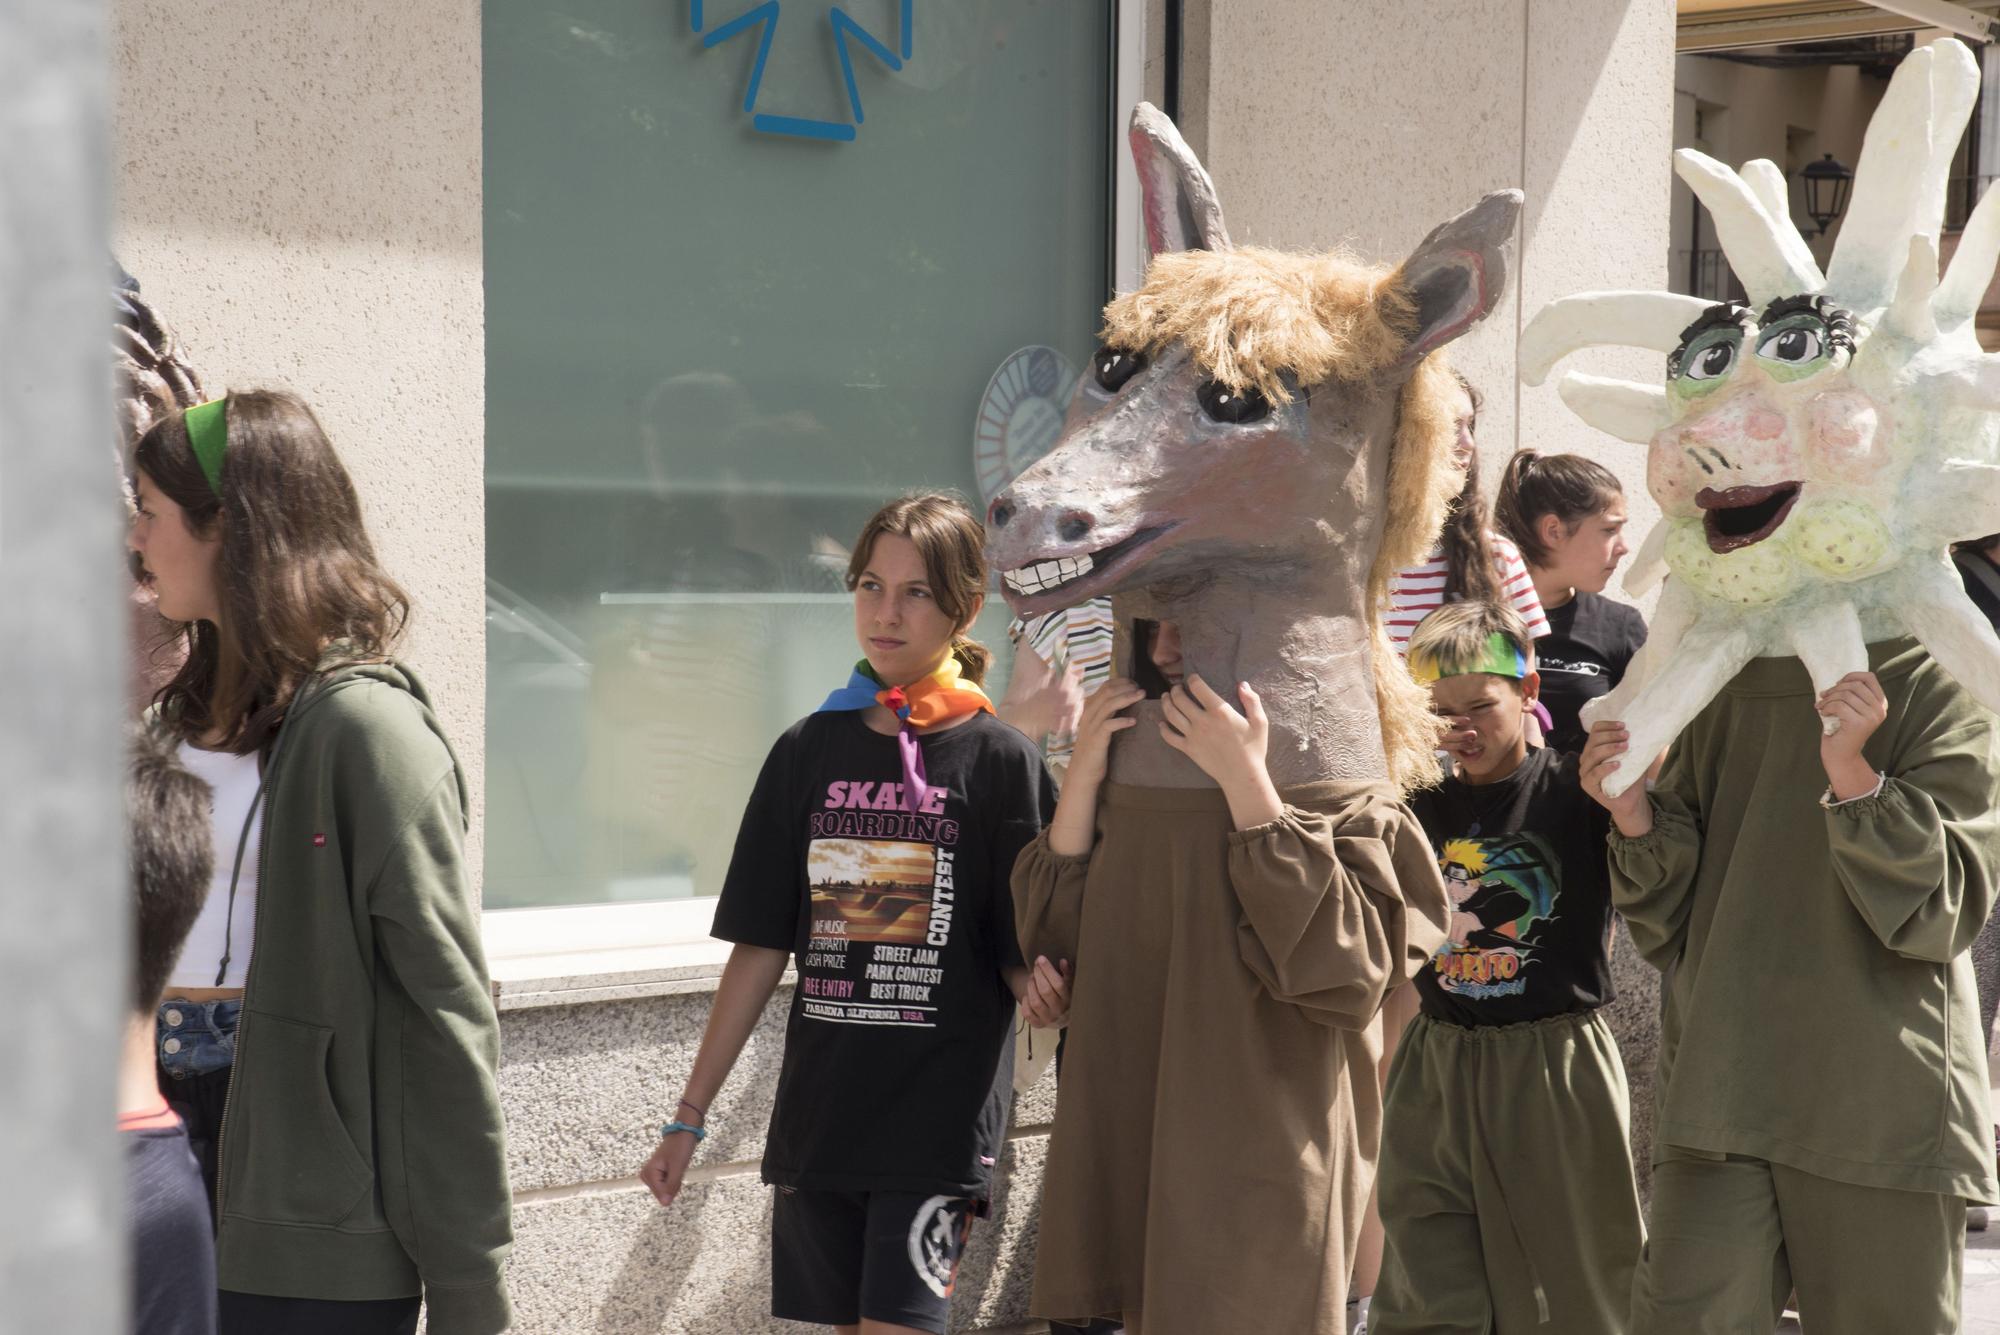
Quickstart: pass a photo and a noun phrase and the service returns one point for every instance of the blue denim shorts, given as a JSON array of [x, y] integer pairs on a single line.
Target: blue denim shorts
[[196, 1037]]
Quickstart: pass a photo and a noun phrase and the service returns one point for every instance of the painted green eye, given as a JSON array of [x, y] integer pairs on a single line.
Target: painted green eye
[[1709, 349], [1710, 360], [1794, 346]]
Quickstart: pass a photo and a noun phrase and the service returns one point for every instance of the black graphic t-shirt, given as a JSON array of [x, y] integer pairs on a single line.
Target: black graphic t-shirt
[[1526, 865], [1584, 655], [898, 1054]]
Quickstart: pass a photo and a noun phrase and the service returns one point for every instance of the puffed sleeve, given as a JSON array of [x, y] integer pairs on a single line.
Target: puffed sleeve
[[1023, 808], [1918, 859], [1048, 899], [1336, 909], [1652, 877]]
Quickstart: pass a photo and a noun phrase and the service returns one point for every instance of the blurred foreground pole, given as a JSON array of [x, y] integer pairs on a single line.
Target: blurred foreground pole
[[62, 874]]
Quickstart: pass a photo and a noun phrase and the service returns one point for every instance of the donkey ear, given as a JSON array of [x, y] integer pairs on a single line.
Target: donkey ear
[[1457, 274], [1181, 210]]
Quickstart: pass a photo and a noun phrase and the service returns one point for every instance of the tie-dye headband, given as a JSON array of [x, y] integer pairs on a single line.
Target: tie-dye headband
[[1501, 657]]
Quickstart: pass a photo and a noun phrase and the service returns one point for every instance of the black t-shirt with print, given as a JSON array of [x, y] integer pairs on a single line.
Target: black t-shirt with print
[[898, 1053], [1590, 642], [1529, 876]]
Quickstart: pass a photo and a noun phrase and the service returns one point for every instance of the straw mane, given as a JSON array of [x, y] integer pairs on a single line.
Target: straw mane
[[1250, 315], [1424, 476], [1273, 320]]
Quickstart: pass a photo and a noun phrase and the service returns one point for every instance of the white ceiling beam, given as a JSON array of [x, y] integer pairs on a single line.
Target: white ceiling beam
[[1953, 18]]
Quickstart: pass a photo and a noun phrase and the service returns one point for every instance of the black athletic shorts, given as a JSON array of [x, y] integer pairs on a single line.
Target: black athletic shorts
[[839, 1257]]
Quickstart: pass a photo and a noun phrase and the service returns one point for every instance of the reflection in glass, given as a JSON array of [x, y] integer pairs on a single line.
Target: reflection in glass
[[711, 353]]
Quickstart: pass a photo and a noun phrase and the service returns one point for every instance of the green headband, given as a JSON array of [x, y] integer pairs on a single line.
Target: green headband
[[1501, 657], [208, 432]]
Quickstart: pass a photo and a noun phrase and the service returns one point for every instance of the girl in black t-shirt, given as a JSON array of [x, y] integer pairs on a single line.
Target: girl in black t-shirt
[[877, 850], [1567, 515]]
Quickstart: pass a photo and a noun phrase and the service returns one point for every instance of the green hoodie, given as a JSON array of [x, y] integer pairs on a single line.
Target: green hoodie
[[362, 1151], [1820, 1009]]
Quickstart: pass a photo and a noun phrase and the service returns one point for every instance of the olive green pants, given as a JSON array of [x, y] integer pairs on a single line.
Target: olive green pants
[[1506, 1187], [1732, 1237]]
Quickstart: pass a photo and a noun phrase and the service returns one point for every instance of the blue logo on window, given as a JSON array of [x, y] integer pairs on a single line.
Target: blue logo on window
[[764, 18]]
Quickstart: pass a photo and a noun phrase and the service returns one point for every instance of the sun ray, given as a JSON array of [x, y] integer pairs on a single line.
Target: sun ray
[[1910, 314], [1649, 563], [1621, 408], [1899, 184], [1604, 319], [1672, 619], [1828, 640], [1699, 664], [1767, 182], [1965, 283], [1957, 634], [1771, 258]]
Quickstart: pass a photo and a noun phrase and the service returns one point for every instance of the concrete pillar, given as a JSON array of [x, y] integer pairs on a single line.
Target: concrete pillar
[[62, 875]]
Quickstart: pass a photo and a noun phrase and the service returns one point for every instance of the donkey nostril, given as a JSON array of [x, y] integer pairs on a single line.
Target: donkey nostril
[[1000, 514], [1074, 525]]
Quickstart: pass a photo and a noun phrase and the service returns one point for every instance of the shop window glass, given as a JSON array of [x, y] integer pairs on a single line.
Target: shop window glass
[[716, 339]]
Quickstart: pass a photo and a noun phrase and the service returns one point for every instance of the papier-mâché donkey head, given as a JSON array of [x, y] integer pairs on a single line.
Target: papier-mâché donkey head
[[1263, 439]]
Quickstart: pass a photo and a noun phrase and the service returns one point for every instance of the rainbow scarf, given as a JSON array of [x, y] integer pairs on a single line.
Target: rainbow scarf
[[922, 704]]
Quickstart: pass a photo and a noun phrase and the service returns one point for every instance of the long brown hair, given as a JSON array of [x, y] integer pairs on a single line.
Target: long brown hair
[[296, 576], [1467, 537], [952, 543], [1568, 486]]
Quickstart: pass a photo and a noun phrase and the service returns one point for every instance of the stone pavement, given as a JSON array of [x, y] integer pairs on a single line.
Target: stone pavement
[[1982, 1282]]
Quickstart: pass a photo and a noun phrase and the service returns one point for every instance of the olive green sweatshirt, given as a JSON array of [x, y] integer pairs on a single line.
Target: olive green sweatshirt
[[362, 1147], [1819, 1006]]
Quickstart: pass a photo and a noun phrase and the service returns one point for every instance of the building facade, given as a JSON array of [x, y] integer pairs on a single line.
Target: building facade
[[626, 315]]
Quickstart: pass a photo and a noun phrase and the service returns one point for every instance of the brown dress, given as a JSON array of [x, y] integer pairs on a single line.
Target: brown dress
[[1219, 1117]]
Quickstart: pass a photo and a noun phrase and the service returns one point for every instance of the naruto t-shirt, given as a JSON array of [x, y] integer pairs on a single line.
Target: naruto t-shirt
[[898, 1052], [1528, 871]]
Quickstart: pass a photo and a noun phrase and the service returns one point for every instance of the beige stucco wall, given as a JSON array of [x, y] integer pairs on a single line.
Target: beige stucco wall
[[299, 195]]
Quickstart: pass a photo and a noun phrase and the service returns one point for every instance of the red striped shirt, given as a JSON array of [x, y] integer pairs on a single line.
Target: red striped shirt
[[1416, 593]]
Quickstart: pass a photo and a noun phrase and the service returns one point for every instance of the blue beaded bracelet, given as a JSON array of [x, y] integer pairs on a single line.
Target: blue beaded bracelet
[[671, 1127]]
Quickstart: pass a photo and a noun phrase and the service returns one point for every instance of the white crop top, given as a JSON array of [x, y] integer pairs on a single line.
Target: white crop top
[[223, 926]]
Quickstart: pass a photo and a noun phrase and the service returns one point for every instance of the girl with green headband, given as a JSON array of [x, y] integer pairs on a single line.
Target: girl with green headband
[[328, 1034]]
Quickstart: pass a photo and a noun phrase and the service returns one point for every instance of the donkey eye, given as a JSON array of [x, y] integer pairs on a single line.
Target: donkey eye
[[1112, 367], [1233, 406]]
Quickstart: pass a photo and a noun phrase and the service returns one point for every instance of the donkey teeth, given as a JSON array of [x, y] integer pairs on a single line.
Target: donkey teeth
[[1045, 575]]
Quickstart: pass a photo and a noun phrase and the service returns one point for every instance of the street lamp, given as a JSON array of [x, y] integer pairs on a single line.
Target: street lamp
[[1827, 184]]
